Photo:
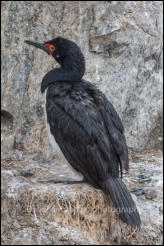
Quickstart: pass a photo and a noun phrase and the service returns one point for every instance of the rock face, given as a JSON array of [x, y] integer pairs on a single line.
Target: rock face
[[122, 43]]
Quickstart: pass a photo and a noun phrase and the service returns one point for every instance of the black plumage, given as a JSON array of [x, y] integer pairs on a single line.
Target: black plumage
[[86, 126]]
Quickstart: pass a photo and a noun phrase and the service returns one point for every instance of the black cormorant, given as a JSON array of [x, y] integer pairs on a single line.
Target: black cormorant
[[86, 126]]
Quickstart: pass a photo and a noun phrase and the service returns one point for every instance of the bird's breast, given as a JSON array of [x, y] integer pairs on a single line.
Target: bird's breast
[[52, 140]]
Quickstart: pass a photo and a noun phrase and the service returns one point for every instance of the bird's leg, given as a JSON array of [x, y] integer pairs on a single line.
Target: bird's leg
[[65, 181]]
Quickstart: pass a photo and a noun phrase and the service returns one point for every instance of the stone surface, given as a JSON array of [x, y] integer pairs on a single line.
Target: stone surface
[[38, 212], [122, 43]]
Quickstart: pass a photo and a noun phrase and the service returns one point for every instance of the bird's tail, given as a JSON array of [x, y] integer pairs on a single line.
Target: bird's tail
[[122, 201]]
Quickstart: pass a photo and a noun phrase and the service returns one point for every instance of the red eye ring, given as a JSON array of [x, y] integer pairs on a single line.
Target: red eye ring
[[51, 48]]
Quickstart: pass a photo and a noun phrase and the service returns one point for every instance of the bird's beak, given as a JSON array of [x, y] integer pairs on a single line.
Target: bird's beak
[[39, 45]]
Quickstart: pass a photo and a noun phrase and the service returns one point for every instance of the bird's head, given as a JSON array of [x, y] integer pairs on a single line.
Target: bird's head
[[66, 52]]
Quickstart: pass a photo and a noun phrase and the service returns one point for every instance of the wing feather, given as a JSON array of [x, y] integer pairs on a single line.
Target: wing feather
[[82, 126]]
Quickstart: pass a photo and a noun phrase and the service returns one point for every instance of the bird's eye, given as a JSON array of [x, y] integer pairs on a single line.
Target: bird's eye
[[52, 48]]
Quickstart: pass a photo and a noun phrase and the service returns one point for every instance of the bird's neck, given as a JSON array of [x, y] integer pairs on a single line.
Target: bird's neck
[[72, 69], [75, 64], [59, 74]]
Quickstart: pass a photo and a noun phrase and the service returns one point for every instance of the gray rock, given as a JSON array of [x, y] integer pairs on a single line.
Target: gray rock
[[150, 194], [138, 192], [26, 174], [143, 178]]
